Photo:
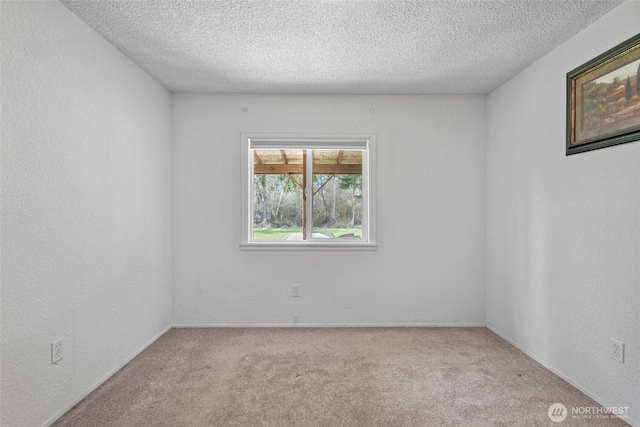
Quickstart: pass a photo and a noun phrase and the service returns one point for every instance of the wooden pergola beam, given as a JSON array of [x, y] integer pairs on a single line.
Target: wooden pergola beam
[[324, 184], [257, 158], [275, 169], [295, 181]]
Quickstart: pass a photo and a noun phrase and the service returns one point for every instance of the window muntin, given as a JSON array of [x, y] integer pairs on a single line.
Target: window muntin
[[308, 191]]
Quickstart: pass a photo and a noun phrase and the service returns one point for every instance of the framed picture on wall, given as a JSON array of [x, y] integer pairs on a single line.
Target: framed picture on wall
[[603, 99]]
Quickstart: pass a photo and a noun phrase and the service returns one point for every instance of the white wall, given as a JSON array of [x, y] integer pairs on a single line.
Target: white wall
[[563, 233], [429, 265], [86, 209]]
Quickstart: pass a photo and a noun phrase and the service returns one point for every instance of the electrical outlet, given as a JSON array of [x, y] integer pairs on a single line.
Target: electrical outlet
[[617, 350], [296, 290], [56, 352]]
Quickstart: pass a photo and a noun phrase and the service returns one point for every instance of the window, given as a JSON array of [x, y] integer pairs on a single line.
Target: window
[[313, 191]]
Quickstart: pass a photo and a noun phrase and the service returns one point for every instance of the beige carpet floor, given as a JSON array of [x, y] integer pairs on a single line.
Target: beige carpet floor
[[330, 377]]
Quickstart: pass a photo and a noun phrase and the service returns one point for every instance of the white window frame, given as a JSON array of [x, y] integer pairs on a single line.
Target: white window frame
[[366, 142]]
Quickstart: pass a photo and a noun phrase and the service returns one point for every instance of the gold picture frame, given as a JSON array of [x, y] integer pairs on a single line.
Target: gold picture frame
[[603, 99]]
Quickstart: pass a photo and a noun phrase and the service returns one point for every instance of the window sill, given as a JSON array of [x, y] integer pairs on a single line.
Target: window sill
[[307, 246]]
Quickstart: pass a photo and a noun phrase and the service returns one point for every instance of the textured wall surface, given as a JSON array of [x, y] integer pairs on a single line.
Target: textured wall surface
[[429, 265], [86, 236], [563, 233], [86, 182]]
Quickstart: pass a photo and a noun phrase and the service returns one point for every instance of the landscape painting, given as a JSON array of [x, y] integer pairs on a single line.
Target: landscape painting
[[604, 99]]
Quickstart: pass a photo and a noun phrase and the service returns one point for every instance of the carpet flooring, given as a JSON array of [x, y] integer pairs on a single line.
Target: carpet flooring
[[331, 377]]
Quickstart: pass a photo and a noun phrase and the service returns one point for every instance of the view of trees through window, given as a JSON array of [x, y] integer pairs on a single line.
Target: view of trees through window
[[279, 205]]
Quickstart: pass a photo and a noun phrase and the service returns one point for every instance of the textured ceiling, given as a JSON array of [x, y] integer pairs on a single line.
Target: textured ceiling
[[337, 46]]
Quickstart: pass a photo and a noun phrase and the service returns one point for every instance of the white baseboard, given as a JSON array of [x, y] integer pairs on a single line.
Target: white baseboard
[[98, 383], [331, 325], [548, 366]]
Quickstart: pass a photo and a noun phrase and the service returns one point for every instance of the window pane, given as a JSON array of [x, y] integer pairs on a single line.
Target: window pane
[[337, 193], [277, 194]]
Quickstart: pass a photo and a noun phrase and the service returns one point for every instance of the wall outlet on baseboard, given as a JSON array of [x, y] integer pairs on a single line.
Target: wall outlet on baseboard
[[56, 352], [617, 350]]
